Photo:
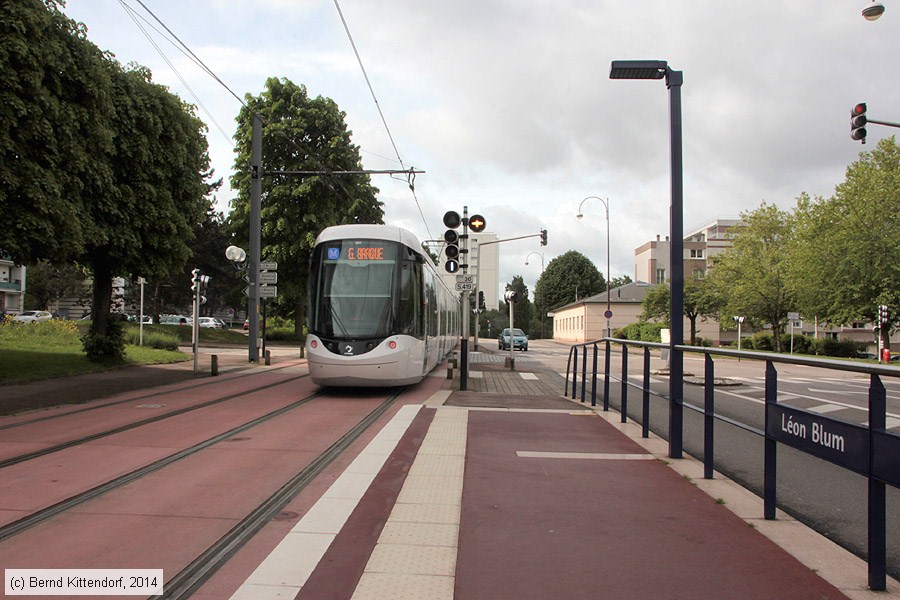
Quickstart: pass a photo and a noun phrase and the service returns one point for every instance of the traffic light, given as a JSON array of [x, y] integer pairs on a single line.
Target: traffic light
[[481, 303], [883, 314], [477, 223], [199, 283], [452, 220], [858, 122], [543, 237]]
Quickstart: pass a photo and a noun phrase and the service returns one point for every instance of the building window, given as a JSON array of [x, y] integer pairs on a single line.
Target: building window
[[699, 273], [660, 276], [696, 253]]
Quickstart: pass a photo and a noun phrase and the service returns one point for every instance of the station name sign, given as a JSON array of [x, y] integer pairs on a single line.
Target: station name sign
[[844, 444]]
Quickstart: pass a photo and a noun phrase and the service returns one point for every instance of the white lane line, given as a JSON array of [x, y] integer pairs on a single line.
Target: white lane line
[[583, 455]]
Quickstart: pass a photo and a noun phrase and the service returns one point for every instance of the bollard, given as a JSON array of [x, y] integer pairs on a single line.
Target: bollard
[[449, 372], [302, 351], [268, 357], [214, 365]]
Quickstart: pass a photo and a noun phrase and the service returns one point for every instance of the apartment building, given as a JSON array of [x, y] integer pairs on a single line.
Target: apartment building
[[12, 286]]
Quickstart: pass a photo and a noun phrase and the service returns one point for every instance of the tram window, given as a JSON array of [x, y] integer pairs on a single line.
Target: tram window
[[410, 299]]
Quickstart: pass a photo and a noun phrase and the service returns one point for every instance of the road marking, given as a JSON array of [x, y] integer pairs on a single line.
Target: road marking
[[530, 376], [583, 455], [825, 408]]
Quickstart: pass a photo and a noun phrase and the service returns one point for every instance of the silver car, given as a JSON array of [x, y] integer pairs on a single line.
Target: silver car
[[33, 316]]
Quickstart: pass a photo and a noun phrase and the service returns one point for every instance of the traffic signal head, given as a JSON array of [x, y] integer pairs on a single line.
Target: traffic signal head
[[481, 303], [477, 223], [452, 219], [195, 280], [858, 122], [883, 314], [543, 237]]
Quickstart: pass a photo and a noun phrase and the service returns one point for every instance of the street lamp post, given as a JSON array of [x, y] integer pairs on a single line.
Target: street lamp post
[[659, 69], [608, 313], [542, 289]]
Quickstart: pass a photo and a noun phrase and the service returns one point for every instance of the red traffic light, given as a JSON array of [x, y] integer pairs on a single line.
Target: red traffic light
[[859, 109], [858, 122]]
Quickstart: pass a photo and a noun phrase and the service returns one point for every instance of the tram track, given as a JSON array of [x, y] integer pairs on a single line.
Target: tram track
[[44, 514], [189, 579], [136, 424], [134, 399]]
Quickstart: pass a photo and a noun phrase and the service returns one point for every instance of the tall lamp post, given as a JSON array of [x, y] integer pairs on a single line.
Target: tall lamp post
[[608, 313], [659, 69], [543, 310]]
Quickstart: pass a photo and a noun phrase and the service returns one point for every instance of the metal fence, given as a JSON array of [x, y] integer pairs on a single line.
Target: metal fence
[[869, 450]]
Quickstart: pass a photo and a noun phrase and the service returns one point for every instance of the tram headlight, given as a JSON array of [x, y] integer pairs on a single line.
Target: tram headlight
[[314, 344], [392, 345]]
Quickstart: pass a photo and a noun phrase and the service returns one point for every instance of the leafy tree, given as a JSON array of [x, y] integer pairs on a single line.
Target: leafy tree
[[49, 283], [145, 220], [55, 102], [619, 281], [700, 301], [565, 276], [846, 253], [523, 309], [299, 133], [752, 277]]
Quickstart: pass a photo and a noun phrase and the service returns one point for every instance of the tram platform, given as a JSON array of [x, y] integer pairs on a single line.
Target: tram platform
[[509, 491]]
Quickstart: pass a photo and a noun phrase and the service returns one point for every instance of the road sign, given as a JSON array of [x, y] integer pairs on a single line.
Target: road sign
[[269, 265], [793, 316], [608, 314], [268, 277], [465, 279], [268, 291], [465, 287]]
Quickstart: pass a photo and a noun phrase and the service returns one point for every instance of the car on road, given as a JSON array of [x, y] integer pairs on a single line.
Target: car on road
[[33, 316], [211, 322], [519, 340]]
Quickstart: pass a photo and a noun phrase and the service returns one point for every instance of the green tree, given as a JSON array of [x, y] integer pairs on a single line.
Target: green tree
[[299, 133], [565, 277], [752, 277], [701, 301], [55, 131], [144, 222], [49, 283], [619, 281], [846, 252]]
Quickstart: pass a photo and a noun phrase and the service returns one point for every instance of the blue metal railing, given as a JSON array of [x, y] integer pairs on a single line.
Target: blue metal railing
[[869, 450]]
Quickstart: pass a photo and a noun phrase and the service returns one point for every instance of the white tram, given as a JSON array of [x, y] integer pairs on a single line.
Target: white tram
[[379, 314]]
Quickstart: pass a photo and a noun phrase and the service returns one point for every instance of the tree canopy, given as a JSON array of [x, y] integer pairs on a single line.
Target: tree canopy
[[299, 133], [846, 250], [565, 277], [751, 278], [700, 301], [100, 165]]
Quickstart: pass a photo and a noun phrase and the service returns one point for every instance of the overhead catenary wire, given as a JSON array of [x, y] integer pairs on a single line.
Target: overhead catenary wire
[[134, 17], [411, 177]]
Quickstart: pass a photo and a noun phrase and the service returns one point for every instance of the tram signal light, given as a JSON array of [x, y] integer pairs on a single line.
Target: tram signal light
[[452, 219], [195, 281], [451, 266], [883, 314], [858, 122], [477, 223], [481, 303], [543, 237]]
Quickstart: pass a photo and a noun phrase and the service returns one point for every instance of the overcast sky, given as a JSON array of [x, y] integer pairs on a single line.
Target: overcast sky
[[508, 106]]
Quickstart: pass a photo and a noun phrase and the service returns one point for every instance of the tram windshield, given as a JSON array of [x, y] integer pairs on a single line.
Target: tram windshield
[[352, 289]]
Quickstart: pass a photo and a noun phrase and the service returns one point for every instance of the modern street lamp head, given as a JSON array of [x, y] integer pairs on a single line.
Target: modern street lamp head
[[235, 254], [638, 69], [579, 216], [873, 11]]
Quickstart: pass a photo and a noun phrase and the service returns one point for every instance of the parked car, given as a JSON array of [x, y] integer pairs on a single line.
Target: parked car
[[174, 320], [147, 319], [33, 316], [519, 340], [211, 322]]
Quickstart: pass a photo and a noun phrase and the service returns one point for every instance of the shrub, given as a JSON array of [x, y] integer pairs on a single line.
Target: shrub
[[284, 334], [642, 331], [152, 339], [106, 346]]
